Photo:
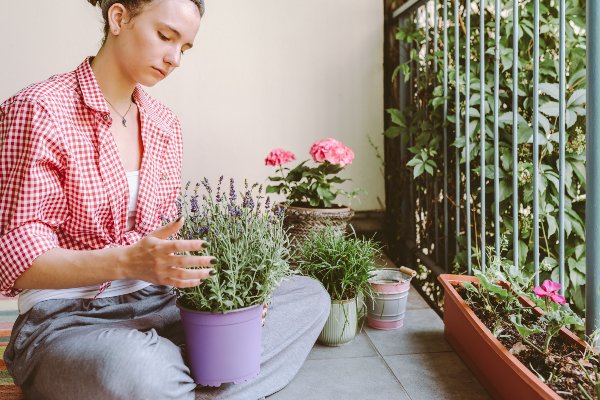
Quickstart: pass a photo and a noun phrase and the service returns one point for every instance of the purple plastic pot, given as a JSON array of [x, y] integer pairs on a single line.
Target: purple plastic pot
[[223, 348]]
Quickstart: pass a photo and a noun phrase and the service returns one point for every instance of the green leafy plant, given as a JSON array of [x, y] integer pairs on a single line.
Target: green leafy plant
[[343, 263], [497, 299], [420, 125], [247, 238], [556, 313]]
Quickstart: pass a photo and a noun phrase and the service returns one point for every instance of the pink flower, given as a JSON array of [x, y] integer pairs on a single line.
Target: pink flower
[[279, 157], [332, 151], [549, 289]]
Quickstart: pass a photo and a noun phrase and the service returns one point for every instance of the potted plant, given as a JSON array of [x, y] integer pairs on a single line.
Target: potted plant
[[343, 263], [310, 191], [514, 339], [222, 316]]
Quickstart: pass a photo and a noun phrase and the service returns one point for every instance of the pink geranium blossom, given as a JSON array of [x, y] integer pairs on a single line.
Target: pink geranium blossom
[[279, 157], [332, 151], [550, 289]]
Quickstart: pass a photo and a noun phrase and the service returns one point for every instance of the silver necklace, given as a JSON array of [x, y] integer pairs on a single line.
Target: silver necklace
[[123, 120]]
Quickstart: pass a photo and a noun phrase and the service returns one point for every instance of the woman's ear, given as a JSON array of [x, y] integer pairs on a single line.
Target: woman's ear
[[117, 17]]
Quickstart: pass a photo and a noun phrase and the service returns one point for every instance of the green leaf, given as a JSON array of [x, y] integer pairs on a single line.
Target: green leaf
[[460, 142], [577, 278], [428, 168], [492, 287], [413, 162], [576, 222], [550, 108], [397, 117], [392, 132], [577, 76], [579, 250], [570, 118], [555, 276], [524, 330], [470, 287], [544, 123], [577, 98], [577, 296], [550, 89], [437, 101], [505, 190], [275, 189], [578, 168], [418, 171], [550, 262], [524, 135]]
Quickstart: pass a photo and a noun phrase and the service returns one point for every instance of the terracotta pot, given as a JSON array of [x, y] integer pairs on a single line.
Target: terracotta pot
[[501, 373], [300, 221]]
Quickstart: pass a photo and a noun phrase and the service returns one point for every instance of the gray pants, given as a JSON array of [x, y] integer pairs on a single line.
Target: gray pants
[[127, 347]]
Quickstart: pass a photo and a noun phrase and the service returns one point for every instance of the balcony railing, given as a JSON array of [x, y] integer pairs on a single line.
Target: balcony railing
[[488, 140]]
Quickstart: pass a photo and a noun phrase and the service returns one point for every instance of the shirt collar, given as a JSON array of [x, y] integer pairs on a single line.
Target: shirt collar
[[90, 90], [150, 112], [94, 99]]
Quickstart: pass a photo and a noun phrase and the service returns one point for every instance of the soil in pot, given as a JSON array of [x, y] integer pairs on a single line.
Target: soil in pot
[[560, 369]]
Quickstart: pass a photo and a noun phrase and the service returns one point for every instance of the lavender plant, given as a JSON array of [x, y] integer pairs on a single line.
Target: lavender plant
[[245, 235]]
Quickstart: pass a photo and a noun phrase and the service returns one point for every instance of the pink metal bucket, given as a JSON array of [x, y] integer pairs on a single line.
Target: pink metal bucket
[[387, 306]]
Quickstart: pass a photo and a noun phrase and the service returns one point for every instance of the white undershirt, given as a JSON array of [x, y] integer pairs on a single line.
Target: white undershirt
[[29, 297]]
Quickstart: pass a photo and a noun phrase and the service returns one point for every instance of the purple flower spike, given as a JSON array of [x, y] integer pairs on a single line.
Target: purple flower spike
[[194, 204], [232, 195], [206, 185]]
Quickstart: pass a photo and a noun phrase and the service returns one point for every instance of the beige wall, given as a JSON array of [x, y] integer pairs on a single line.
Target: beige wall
[[262, 74]]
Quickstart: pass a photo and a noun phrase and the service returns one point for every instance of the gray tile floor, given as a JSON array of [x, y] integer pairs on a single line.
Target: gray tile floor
[[413, 362]]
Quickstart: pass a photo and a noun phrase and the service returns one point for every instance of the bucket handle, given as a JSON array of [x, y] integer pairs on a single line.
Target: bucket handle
[[408, 271]]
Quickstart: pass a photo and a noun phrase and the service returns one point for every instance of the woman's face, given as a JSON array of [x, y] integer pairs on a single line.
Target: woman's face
[[149, 47]]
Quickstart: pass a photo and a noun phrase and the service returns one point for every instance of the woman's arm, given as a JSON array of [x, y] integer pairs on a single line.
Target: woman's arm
[[151, 259]]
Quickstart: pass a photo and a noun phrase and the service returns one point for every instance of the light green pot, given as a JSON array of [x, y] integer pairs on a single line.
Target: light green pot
[[341, 325]]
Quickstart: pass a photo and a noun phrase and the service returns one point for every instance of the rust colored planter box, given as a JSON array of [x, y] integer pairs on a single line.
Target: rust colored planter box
[[501, 373]]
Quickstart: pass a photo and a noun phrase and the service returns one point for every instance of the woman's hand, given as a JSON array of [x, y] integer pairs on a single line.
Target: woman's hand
[[154, 259]]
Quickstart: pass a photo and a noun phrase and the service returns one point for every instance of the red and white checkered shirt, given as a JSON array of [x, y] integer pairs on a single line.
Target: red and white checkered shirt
[[62, 183]]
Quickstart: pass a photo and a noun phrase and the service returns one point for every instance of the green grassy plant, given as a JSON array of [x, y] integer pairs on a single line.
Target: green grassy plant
[[342, 263]]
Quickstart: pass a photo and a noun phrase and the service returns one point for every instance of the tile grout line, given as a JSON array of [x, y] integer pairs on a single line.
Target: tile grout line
[[387, 365]]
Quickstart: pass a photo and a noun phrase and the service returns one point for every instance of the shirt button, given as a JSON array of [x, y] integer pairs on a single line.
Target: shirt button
[[163, 177], [105, 117]]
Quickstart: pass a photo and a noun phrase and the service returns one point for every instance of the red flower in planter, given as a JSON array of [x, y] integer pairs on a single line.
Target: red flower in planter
[[550, 289]]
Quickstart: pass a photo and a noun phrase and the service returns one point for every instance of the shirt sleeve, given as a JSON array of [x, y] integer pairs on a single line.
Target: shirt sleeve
[[131, 237], [32, 202]]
